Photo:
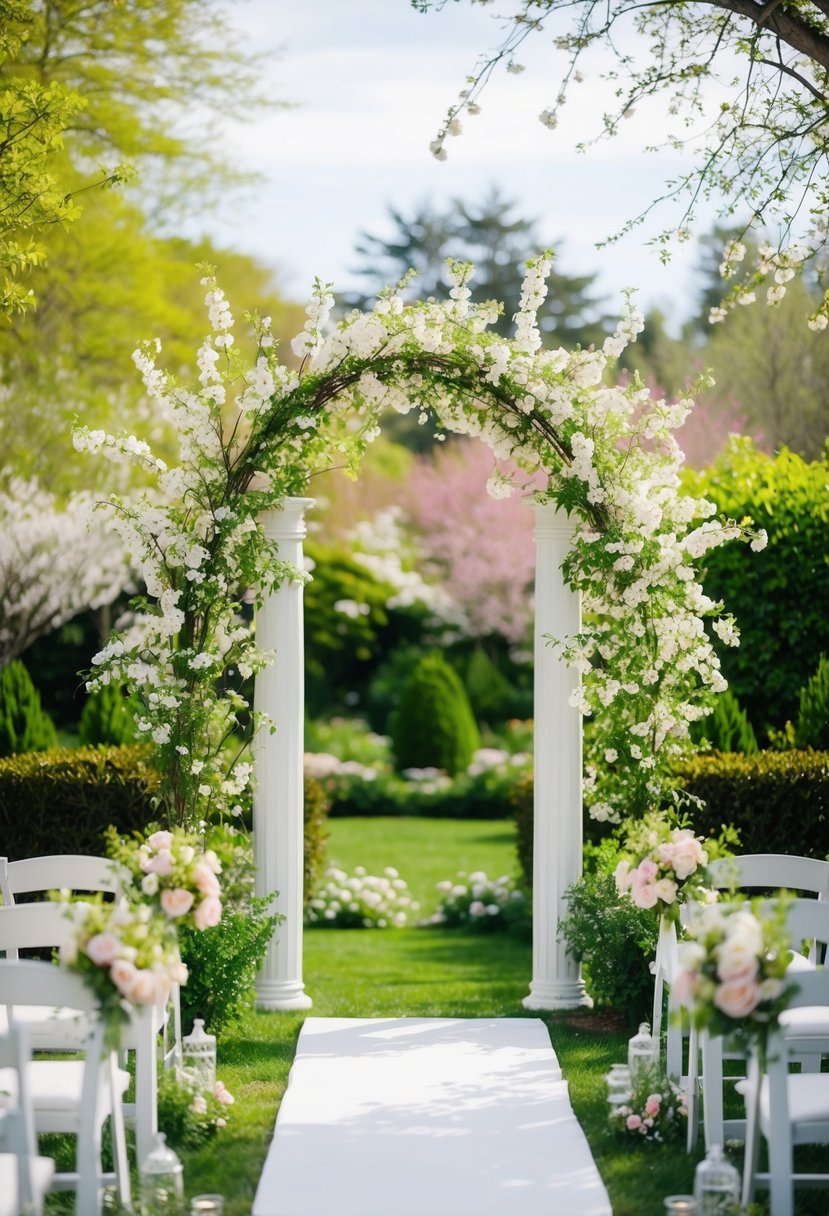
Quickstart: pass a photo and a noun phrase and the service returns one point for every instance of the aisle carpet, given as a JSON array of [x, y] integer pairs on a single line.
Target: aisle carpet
[[428, 1117]]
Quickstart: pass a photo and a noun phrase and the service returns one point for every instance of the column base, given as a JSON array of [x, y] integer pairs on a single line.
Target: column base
[[563, 994], [275, 996]]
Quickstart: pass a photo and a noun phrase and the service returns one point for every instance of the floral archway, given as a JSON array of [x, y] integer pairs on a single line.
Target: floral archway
[[250, 437]]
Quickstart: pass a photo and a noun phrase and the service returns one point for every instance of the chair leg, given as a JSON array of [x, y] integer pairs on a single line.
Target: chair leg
[[673, 1042], [712, 1088], [693, 1091], [752, 1149], [781, 1184], [119, 1141], [89, 1190], [146, 1083]]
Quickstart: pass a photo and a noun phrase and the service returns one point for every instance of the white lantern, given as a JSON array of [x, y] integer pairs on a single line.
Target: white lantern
[[199, 1055], [643, 1054], [716, 1184], [161, 1181]]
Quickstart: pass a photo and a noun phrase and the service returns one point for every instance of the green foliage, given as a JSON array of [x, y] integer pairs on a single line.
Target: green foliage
[[316, 806], [812, 729], [386, 685], [24, 724], [484, 795], [106, 718], [223, 962], [521, 804], [778, 801], [184, 1126], [348, 627], [614, 940], [433, 726], [778, 596], [492, 697], [63, 800], [727, 728]]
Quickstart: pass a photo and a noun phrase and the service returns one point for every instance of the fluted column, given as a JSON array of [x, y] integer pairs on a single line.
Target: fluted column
[[278, 797], [557, 826]]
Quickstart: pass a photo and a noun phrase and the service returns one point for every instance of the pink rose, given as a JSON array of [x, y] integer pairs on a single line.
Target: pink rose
[[221, 1094], [634, 1122], [103, 949], [160, 840], [646, 871], [176, 902], [144, 988], [688, 853], [645, 896], [666, 890], [684, 986], [737, 998], [736, 960], [652, 1105], [208, 913], [122, 975], [161, 864], [220, 1122], [205, 879]]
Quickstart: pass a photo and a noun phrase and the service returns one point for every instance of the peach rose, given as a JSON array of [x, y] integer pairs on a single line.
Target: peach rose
[[176, 902], [122, 974], [103, 949], [666, 890], [221, 1094], [160, 840], [205, 879], [684, 986], [737, 998], [652, 1105], [208, 913], [161, 864], [688, 853], [644, 895], [646, 871], [634, 1122], [144, 988], [736, 959]]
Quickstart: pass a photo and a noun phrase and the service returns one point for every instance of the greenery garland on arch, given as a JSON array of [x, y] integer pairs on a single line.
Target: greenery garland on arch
[[251, 436]]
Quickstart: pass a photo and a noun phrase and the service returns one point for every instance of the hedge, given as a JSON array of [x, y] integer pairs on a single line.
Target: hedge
[[779, 801], [63, 800]]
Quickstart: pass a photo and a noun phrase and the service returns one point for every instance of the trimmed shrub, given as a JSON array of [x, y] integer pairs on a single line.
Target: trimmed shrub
[[316, 816], [24, 724], [521, 802], [433, 726], [778, 801], [106, 718], [727, 729], [492, 697], [812, 729], [63, 800]]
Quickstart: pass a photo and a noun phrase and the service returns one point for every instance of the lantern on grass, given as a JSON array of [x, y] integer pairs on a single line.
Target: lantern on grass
[[618, 1084], [161, 1181], [643, 1054], [716, 1184], [199, 1055]]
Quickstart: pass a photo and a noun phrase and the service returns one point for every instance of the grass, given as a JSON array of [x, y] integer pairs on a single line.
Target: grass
[[427, 973]]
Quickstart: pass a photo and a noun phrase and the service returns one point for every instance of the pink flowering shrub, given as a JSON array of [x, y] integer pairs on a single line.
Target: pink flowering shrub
[[481, 546], [654, 1109]]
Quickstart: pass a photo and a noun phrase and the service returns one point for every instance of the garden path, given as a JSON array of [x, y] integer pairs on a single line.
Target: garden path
[[428, 1117]]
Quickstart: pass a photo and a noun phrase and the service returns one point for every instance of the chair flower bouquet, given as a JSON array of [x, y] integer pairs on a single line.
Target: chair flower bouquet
[[663, 864], [732, 971], [176, 875], [125, 952]]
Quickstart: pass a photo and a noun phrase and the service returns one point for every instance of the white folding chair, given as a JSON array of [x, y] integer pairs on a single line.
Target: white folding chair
[[78, 872], [78, 1095], [787, 1108], [806, 920], [24, 1177]]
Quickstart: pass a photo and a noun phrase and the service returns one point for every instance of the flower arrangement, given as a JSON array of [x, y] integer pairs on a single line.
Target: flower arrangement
[[177, 876], [477, 901], [250, 436], [188, 1114], [362, 901], [654, 1110], [125, 952], [732, 973], [665, 864]]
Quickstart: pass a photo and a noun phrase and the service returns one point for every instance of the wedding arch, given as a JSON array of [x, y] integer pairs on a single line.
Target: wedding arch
[[614, 534]]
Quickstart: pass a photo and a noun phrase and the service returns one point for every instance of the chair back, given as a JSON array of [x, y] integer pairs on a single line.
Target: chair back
[[76, 871], [41, 925], [772, 871]]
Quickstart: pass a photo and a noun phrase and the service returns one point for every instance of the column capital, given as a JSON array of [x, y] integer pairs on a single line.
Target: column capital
[[551, 522], [288, 521]]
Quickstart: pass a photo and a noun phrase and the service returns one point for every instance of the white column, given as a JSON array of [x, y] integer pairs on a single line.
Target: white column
[[557, 827], [278, 798]]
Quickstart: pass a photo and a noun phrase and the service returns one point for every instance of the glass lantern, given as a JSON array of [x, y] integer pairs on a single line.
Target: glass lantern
[[643, 1053], [618, 1084], [716, 1184], [199, 1055], [161, 1181]]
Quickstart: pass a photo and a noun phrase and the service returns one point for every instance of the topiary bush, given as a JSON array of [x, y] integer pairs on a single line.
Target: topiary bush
[[727, 728], [778, 801], [812, 727], [433, 725], [492, 697], [63, 800], [24, 724], [106, 718]]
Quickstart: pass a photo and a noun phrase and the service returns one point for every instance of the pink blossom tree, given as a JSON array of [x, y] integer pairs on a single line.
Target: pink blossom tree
[[480, 547]]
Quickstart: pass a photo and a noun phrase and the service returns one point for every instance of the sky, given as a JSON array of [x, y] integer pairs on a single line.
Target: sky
[[369, 82]]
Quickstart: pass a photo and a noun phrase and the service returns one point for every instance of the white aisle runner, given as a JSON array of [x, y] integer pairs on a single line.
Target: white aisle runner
[[428, 1117]]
